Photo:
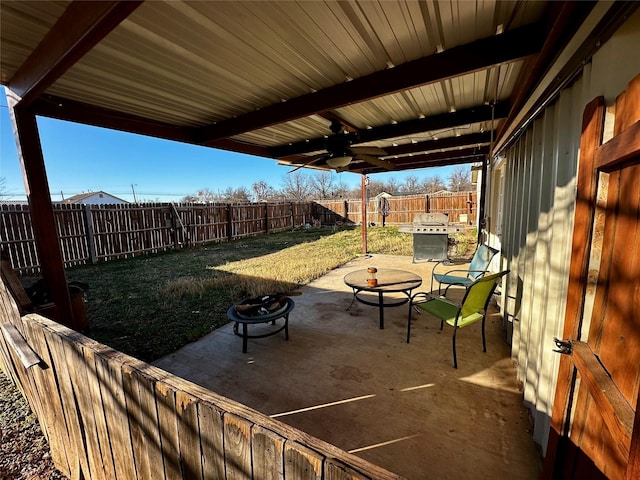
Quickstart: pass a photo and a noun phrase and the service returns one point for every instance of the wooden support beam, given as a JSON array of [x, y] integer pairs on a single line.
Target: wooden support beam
[[39, 197], [563, 19], [78, 30], [364, 183], [477, 114], [471, 139], [449, 155], [79, 112], [447, 162], [498, 49]]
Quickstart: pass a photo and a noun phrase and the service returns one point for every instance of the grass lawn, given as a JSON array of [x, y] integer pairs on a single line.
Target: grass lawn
[[150, 306]]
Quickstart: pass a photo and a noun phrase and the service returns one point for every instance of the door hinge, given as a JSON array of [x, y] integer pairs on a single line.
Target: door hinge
[[565, 348]]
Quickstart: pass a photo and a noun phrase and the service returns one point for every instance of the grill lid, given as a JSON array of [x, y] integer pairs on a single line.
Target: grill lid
[[429, 223], [431, 219]]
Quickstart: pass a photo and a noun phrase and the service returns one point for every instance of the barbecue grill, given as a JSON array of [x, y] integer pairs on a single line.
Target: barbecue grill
[[430, 235]]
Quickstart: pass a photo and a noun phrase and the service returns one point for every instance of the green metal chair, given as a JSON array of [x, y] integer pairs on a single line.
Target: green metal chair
[[472, 308], [478, 267]]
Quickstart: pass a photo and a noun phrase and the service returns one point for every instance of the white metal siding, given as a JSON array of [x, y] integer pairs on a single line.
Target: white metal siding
[[539, 201]]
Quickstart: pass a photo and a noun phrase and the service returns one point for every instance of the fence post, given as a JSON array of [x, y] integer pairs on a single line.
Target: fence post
[[469, 207], [427, 204], [229, 222], [90, 233], [266, 217], [293, 223]]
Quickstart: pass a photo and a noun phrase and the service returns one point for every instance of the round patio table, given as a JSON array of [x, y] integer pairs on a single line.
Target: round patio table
[[390, 280], [245, 320]]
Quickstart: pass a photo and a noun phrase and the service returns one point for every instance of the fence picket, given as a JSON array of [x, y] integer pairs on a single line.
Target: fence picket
[[109, 415], [189, 433], [210, 420], [267, 454], [237, 447], [92, 233]]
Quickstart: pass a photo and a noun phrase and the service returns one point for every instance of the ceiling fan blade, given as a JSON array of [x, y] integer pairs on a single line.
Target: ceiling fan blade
[[311, 161], [368, 151], [378, 162]]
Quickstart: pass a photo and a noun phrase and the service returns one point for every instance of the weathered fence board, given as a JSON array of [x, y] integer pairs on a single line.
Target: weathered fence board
[[188, 434], [211, 440], [401, 208], [62, 450], [301, 463], [108, 415], [267, 454], [92, 233]]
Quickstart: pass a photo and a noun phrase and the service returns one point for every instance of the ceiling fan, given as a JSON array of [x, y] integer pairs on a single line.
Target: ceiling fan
[[340, 153]]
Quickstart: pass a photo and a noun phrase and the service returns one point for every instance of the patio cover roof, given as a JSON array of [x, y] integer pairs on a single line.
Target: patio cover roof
[[431, 83]]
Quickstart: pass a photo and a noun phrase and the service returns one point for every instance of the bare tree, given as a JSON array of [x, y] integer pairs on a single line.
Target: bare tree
[[236, 195], [374, 188], [295, 186], [321, 185], [341, 189], [411, 184], [392, 185], [201, 196], [262, 191], [433, 184], [460, 179]]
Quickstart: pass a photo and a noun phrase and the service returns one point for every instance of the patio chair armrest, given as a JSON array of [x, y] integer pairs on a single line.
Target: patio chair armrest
[[421, 297], [454, 271], [444, 299]]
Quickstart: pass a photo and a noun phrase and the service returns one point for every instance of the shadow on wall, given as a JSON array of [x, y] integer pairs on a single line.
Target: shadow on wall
[[512, 308]]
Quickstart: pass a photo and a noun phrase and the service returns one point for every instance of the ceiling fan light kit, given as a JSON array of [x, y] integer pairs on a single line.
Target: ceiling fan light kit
[[337, 162]]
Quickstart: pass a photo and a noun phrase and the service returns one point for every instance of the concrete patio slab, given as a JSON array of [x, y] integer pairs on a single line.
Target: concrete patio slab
[[401, 406]]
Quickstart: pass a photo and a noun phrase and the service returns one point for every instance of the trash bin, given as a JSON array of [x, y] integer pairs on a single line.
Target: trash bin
[[78, 307]]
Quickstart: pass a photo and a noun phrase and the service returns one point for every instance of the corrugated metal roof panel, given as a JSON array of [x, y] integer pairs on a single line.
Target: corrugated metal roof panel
[[22, 27], [194, 64], [197, 63]]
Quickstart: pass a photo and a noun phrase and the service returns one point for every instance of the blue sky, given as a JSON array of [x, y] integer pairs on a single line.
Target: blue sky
[[80, 158]]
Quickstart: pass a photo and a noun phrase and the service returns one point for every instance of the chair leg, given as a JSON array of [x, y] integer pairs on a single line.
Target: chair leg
[[455, 358], [409, 322], [484, 342]]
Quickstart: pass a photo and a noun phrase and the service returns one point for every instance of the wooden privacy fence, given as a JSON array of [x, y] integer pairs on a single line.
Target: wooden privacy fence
[[109, 416], [92, 233], [461, 207]]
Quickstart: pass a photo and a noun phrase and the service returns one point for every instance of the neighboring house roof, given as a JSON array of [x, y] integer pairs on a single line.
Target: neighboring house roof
[[396, 194], [88, 197]]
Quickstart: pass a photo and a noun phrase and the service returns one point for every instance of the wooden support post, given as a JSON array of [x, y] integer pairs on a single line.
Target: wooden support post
[[266, 217], [37, 190], [427, 204], [363, 186], [346, 211], [482, 223], [90, 233]]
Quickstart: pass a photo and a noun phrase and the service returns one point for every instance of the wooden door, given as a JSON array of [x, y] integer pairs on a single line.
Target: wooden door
[[595, 429]]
